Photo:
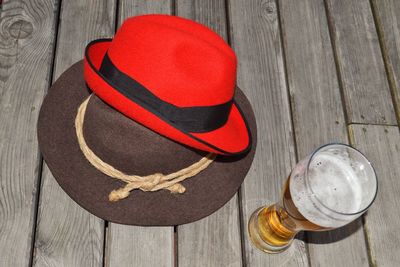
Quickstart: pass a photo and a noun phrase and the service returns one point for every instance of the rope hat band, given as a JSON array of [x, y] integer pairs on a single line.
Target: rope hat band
[[152, 182]]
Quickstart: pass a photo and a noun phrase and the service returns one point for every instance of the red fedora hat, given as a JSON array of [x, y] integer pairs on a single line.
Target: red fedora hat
[[174, 76], [149, 105]]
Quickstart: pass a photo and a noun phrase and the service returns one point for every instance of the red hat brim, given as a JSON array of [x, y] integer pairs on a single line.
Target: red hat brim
[[231, 139]]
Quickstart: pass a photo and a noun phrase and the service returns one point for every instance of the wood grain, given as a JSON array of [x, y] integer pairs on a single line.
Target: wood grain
[[255, 36], [210, 13], [133, 245], [214, 240], [26, 42], [381, 145], [318, 115], [67, 235], [139, 246], [359, 59], [128, 8], [387, 14]]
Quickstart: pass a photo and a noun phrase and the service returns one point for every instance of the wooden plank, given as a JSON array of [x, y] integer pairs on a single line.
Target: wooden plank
[[387, 15], [26, 42], [128, 8], [214, 240], [255, 36], [381, 145], [318, 115], [210, 13], [141, 246], [67, 235], [317, 110], [360, 64]]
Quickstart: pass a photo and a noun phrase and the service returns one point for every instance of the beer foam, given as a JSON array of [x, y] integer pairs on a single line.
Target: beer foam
[[333, 192]]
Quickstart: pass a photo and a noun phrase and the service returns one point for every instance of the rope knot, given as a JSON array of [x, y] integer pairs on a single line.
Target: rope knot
[[149, 182]]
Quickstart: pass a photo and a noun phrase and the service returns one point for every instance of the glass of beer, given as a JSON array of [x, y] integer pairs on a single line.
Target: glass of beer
[[330, 188]]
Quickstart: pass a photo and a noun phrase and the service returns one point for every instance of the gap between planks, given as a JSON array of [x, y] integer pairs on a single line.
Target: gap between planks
[[385, 56], [41, 161], [291, 110], [242, 226]]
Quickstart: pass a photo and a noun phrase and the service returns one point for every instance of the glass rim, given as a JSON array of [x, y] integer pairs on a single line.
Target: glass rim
[[318, 149]]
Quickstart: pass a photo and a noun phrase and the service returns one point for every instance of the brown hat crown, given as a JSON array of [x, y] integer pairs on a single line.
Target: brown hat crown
[[111, 137]]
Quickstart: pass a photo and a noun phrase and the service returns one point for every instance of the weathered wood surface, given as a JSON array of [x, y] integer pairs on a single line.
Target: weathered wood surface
[[308, 67], [387, 14], [139, 246], [317, 113], [67, 235], [255, 36], [26, 44], [381, 145], [359, 59], [128, 8], [214, 240], [132, 245]]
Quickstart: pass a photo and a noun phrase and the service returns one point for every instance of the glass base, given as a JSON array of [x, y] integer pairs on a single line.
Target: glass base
[[256, 239]]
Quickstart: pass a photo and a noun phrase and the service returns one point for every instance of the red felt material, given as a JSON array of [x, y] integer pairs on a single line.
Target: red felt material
[[180, 61]]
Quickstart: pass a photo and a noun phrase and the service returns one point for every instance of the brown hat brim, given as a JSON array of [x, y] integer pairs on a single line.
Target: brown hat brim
[[134, 149]]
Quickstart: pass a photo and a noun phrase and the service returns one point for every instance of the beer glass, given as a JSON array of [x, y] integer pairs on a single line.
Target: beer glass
[[330, 188]]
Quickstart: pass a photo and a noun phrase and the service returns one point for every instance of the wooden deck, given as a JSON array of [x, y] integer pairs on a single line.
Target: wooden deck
[[315, 71]]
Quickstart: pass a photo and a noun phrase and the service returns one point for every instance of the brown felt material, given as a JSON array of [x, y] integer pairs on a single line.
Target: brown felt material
[[133, 149]]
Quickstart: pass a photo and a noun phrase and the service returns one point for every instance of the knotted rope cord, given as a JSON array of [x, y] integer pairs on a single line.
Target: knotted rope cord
[[153, 182]]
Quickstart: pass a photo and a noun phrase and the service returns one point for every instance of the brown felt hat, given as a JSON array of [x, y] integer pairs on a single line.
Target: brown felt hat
[[133, 149], [150, 129]]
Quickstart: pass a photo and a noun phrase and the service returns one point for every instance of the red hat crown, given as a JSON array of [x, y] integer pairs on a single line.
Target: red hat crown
[[179, 70], [174, 76]]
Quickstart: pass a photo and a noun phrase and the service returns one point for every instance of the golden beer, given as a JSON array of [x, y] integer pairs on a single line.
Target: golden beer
[[279, 223], [330, 188]]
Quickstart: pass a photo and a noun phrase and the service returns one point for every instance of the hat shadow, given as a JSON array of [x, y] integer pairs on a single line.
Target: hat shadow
[[219, 158], [331, 236], [230, 159]]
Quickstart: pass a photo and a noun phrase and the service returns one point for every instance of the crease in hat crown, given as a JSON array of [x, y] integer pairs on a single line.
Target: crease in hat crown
[[180, 62]]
